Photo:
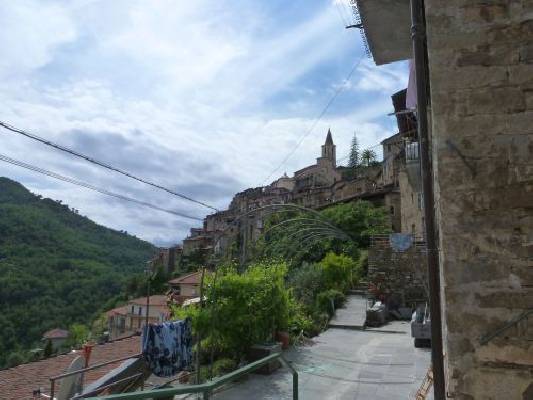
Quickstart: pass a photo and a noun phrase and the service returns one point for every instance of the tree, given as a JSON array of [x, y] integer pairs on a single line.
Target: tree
[[78, 334], [368, 157], [48, 349], [354, 160]]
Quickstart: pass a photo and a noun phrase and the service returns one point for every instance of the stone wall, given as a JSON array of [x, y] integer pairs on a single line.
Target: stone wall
[[481, 74], [401, 275], [412, 220]]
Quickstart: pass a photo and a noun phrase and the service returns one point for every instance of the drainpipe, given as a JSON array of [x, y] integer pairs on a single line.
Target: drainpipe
[[418, 34]]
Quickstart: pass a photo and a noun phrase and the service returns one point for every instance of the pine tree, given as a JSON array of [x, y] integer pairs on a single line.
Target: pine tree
[[354, 161]]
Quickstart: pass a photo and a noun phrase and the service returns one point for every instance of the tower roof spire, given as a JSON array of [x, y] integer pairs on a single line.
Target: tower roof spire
[[329, 138]]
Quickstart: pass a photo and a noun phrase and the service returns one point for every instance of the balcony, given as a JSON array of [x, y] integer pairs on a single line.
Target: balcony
[[412, 165]]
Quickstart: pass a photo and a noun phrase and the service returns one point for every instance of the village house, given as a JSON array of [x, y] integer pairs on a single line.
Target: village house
[[57, 337], [185, 287], [130, 318], [316, 186]]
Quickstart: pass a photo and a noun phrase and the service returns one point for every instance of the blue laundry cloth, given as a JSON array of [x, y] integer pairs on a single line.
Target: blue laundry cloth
[[167, 347], [401, 241]]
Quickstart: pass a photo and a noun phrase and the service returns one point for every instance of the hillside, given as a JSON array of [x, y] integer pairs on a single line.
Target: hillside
[[56, 266]]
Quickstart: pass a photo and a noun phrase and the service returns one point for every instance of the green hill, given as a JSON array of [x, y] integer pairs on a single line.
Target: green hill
[[56, 266]]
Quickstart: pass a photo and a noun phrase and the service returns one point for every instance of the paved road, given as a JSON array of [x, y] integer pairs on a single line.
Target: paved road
[[352, 315], [345, 364]]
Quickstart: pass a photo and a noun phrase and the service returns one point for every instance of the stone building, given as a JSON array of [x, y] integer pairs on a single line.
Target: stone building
[[128, 319], [480, 111], [316, 186]]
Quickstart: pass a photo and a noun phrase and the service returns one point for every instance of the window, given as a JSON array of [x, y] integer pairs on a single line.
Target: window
[[392, 210], [133, 309], [140, 310]]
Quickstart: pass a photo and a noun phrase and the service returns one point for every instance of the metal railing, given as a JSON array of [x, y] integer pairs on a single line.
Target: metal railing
[[207, 388], [53, 379], [411, 152]]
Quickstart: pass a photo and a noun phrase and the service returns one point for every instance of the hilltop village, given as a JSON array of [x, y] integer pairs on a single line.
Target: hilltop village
[[393, 183]]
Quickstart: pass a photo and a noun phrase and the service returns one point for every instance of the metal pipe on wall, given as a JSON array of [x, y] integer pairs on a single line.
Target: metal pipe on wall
[[418, 34]]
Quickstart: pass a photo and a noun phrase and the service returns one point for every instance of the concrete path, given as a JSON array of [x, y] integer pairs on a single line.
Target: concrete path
[[345, 364], [352, 315]]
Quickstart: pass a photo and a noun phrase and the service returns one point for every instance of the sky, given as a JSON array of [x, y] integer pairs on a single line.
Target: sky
[[204, 97]]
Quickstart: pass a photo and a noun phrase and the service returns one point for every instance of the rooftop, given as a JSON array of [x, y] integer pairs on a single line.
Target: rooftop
[[123, 310], [192, 279], [156, 300], [56, 334], [19, 382]]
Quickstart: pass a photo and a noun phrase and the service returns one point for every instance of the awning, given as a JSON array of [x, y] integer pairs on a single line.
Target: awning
[[387, 25]]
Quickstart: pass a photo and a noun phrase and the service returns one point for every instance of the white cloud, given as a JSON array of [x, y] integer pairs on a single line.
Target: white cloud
[[387, 78], [181, 95], [30, 32]]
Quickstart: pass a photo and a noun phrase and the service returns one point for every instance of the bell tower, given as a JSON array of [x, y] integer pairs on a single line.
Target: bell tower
[[329, 149]]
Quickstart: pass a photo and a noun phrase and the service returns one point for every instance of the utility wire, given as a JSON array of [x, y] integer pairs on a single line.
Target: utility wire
[[317, 119], [100, 163], [91, 187]]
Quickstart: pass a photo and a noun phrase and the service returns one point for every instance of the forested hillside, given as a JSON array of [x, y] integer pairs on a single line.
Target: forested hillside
[[56, 267]]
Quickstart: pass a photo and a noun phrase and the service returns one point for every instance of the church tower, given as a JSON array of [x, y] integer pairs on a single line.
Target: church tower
[[329, 149]]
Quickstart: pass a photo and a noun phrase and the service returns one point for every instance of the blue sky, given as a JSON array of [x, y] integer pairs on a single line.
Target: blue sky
[[206, 97]]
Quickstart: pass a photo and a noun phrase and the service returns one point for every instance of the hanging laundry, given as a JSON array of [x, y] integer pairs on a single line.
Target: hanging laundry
[[400, 241], [167, 347]]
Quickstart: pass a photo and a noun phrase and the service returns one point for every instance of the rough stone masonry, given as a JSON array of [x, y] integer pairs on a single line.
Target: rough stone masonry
[[481, 76]]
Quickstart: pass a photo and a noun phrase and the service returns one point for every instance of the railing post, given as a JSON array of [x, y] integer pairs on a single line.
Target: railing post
[[294, 377], [295, 385], [52, 388]]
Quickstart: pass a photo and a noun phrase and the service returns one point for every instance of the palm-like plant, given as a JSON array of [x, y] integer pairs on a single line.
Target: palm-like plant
[[368, 156]]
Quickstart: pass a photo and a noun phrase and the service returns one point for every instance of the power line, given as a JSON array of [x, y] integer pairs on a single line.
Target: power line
[[91, 187], [317, 119], [101, 163]]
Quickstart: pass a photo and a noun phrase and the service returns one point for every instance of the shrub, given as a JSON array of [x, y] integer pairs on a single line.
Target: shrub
[[306, 281], [299, 320], [242, 309], [339, 271], [325, 300], [223, 366]]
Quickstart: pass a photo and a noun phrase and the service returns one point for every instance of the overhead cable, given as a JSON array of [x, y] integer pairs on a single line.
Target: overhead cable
[[91, 187], [101, 163], [317, 119]]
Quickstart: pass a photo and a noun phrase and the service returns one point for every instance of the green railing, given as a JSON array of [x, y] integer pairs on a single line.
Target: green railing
[[208, 387]]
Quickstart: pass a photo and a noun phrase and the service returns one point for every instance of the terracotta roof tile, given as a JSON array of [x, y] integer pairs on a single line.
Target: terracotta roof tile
[[20, 382], [193, 278], [119, 310], [56, 334], [156, 300]]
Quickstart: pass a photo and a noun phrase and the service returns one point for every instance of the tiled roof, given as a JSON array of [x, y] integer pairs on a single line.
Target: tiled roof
[[119, 310], [20, 382], [156, 300], [178, 299], [193, 278], [56, 334]]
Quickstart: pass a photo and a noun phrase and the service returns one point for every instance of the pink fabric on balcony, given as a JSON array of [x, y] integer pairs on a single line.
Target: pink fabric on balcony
[[410, 100]]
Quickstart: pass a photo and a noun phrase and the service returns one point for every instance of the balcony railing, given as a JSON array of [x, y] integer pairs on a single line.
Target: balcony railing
[[207, 388], [411, 152]]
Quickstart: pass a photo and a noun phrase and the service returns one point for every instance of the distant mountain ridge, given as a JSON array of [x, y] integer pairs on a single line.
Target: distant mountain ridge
[[56, 266]]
